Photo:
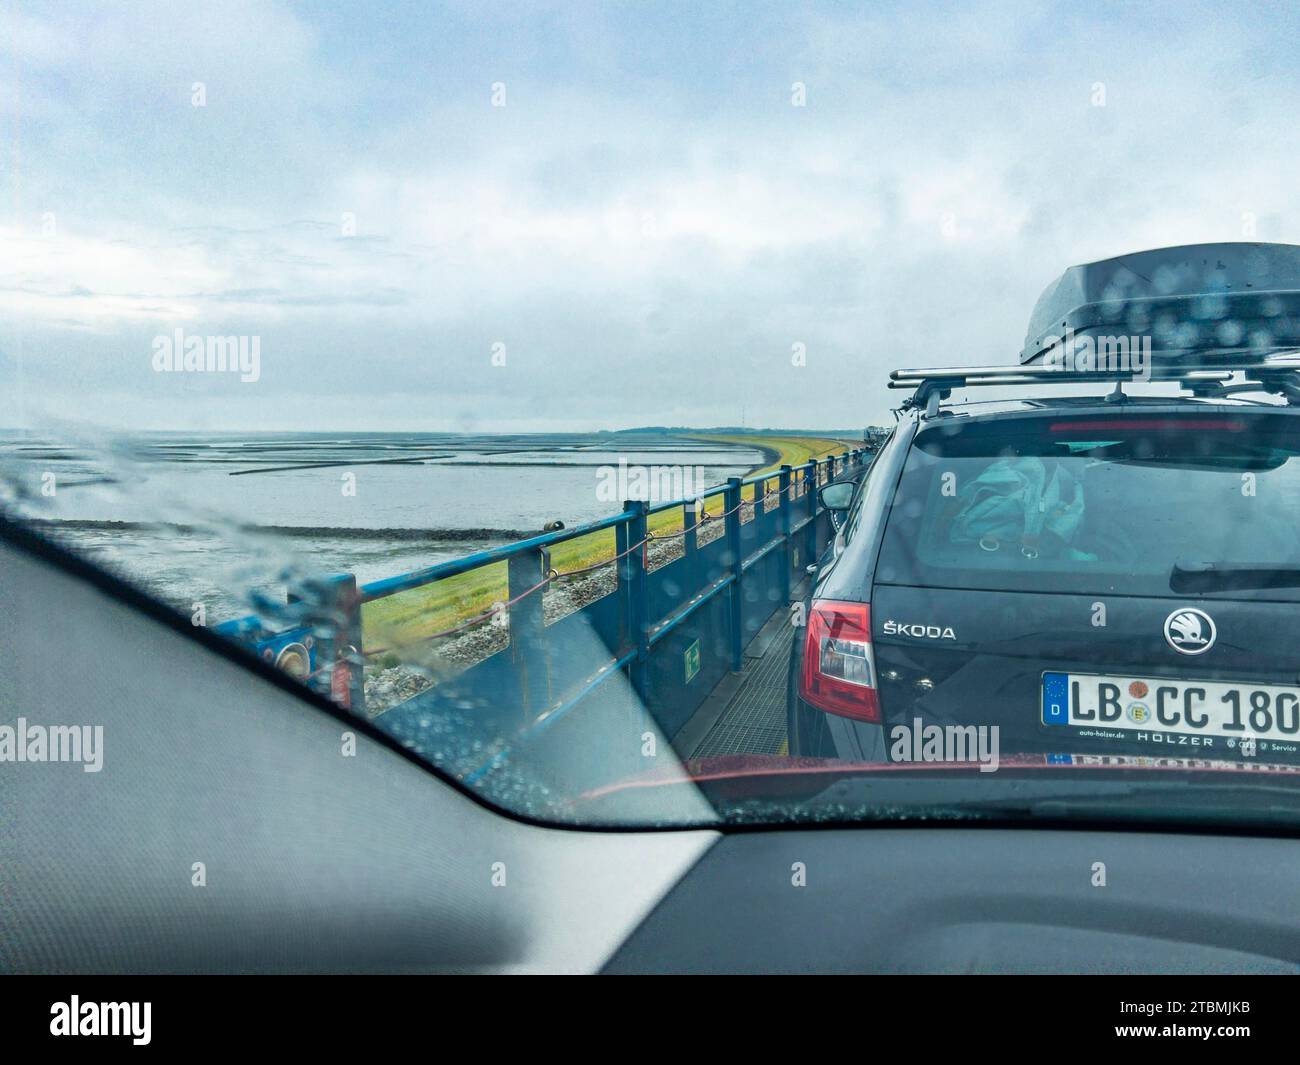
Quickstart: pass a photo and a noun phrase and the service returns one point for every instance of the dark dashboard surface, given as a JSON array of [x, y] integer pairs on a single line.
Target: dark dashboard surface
[[978, 900]]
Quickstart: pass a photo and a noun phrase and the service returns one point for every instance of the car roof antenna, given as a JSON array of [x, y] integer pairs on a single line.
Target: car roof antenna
[[1117, 394]]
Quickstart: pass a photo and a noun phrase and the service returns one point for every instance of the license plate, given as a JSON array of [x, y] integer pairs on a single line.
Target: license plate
[[1159, 710]]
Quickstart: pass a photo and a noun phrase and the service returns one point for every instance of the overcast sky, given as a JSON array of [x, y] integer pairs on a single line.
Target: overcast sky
[[648, 225]]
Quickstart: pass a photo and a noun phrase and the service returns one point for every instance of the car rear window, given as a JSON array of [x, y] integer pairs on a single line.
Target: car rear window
[[1109, 504]]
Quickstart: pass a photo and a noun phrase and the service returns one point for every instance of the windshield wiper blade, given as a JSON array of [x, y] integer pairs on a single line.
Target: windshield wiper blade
[[1243, 800], [1191, 577]]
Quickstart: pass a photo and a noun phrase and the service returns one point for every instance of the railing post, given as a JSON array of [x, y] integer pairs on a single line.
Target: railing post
[[783, 521], [818, 509], [691, 549], [332, 607], [631, 569], [737, 599], [528, 651], [810, 475], [620, 575]]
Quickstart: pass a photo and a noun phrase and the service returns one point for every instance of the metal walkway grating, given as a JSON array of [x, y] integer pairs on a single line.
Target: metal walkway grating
[[753, 721]]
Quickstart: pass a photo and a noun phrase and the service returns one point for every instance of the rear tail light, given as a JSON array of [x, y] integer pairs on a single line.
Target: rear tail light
[[839, 671]]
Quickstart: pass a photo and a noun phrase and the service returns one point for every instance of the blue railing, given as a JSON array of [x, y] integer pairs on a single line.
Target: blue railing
[[672, 631]]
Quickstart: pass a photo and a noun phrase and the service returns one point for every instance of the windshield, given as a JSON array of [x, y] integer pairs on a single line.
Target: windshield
[[1109, 504], [484, 368]]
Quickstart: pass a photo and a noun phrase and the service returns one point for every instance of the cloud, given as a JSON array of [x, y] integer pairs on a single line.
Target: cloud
[[648, 225]]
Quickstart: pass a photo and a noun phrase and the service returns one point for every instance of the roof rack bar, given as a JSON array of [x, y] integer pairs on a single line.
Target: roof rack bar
[[1044, 373], [954, 380], [1278, 376]]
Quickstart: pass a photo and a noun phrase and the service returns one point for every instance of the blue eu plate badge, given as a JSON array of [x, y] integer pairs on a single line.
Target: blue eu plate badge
[[1056, 698]]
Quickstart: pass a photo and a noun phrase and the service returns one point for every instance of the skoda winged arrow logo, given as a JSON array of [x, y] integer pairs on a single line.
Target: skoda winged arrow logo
[[1190, 631]]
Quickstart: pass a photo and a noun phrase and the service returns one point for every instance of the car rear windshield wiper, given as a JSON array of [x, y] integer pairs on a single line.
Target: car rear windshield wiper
[[1190, 577]]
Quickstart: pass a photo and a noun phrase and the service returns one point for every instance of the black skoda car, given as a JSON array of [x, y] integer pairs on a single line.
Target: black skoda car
[[1103, 562]]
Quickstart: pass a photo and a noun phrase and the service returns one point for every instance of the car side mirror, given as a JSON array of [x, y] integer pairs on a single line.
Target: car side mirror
[[837, 495]]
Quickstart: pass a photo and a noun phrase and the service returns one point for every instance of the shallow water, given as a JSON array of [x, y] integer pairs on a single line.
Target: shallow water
[[337, 503]]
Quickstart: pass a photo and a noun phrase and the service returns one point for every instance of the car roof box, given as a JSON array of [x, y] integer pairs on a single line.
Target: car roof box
[[1199, 304]]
